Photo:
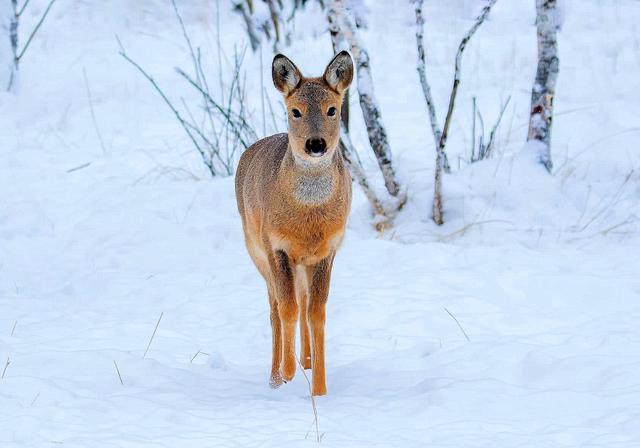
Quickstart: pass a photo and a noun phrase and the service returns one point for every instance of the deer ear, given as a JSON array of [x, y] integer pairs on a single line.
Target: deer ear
[[339, 72], [286, 75]]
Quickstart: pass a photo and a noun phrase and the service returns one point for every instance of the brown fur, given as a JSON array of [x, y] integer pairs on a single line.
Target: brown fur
[[294, 209]]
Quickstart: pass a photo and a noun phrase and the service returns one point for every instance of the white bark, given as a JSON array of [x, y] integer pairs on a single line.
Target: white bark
[[350, 156], [9, 17], [422, 73], [343, 33], [543, 91]]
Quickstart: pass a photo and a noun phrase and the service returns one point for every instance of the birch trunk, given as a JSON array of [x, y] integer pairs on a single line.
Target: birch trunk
[[343, 33], [349, 152], [422, 73], [543, 91], [357, 172], [10, 19]]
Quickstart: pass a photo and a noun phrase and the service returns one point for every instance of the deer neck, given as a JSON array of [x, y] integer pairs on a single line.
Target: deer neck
[[311, 184]]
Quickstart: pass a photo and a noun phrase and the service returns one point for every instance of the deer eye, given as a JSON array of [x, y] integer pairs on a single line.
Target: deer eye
[[296, 113], [332, 111]]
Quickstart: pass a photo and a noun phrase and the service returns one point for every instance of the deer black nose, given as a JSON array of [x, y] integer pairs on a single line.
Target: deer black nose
[[316, 146]]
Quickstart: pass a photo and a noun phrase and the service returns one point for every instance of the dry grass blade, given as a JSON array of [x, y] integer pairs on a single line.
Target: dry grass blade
[[5, 367], [93, 113], [313, 401], [459, 326], [153, 335], [79, 167], [463, 230], [199, 352], [118, 370]]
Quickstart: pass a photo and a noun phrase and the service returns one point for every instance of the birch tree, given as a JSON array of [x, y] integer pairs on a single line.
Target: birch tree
[[440, 136], [544, 86], [343, 33]]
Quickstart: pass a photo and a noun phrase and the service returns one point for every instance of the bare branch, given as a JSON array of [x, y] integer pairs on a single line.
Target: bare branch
[[24, 6], [437, 212], [35, 30]]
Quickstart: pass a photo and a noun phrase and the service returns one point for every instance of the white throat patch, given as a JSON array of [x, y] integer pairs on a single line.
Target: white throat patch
[[314, 189]]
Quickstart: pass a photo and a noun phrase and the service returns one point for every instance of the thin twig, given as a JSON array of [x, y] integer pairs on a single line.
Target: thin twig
[[182, 121], [35, 30], [229, 115], [153, 335], [459, 326], [13, 330], [24, 6]]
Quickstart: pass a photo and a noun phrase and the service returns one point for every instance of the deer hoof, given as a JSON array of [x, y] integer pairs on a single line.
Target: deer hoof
[[275, 381]]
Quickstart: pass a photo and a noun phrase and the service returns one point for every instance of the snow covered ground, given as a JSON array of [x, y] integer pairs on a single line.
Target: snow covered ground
[[541, 272]]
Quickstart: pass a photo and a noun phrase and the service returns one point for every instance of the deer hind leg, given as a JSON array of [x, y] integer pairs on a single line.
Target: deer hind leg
[[287, 310], [302, 294], [320, 276]]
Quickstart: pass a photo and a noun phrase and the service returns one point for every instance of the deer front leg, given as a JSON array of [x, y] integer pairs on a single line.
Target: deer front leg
[[319, 276], [287, 310], [303, 303], [275, 379]]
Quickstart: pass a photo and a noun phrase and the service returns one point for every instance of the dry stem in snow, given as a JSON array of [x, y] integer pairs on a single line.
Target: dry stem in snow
[[224, 128], [544, 86], [441, 136], [343, 33]]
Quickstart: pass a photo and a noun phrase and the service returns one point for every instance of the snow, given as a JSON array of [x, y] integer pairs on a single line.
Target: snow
[[540, 271]]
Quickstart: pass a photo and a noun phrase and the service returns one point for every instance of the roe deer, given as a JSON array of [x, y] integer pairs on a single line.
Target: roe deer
[[294, 194]]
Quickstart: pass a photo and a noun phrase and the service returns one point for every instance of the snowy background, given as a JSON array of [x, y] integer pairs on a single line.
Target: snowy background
[[541, 272]]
